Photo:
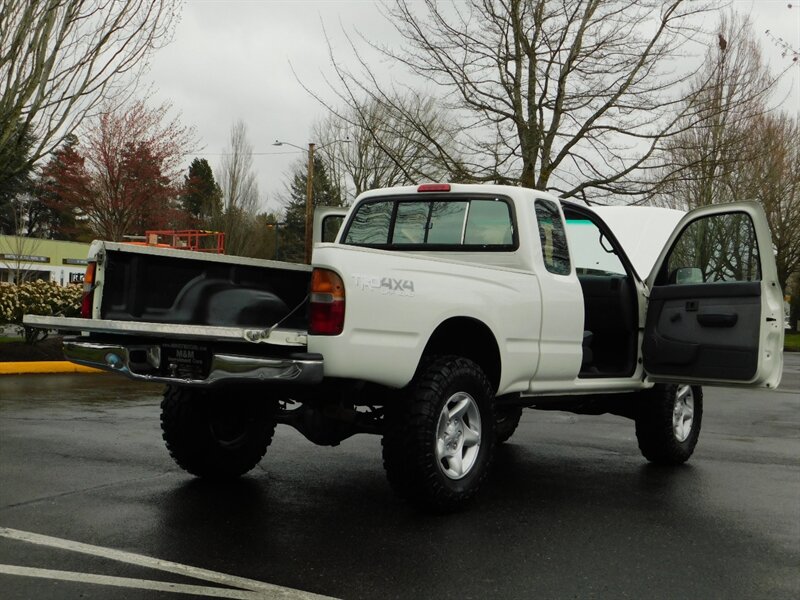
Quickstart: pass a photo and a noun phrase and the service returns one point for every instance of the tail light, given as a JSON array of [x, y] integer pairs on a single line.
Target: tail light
[[88, 291], [326, 305]]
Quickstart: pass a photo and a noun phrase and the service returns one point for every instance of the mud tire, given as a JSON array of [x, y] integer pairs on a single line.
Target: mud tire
[[215, 434], [430, 451]]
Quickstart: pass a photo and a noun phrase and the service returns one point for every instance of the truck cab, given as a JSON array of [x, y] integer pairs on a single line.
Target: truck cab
[[591, 313]]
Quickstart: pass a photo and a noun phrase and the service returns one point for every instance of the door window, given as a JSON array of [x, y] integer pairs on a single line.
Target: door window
[[716, 248]]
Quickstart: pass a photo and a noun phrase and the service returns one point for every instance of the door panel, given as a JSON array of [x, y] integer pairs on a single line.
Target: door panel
[[714, 312], [704, 330]]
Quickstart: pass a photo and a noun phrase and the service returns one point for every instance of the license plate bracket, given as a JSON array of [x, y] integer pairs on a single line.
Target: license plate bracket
[[185, 361]]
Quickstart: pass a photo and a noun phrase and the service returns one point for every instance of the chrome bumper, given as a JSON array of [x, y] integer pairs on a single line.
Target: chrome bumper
[[140, 361]]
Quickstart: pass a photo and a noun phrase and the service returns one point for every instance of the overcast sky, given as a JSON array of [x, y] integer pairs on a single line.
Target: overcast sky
[[233, 59]]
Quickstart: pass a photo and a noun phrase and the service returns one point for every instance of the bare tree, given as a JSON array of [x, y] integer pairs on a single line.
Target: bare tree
[[17, 251], [774, 180], [60, 60], [388, 143], [123, 176], [571, 95], [239, 192], [704, 163], [788, 51], [773, 175], [733, 147]]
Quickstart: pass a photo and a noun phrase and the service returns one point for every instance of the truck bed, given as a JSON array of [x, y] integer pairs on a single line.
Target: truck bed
[[188, 288], [184, 317]]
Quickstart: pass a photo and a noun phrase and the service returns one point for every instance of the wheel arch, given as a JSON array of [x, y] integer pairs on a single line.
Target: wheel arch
[[470, 338]]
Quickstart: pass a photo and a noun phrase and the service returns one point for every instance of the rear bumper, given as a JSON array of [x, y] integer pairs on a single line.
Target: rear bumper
[[141, 362]]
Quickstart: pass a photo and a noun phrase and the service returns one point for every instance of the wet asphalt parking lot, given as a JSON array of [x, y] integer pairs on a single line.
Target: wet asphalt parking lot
[[91, 506]]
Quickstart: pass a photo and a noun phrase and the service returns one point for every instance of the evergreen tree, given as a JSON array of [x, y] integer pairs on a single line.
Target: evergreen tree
[[325, 193], [201, 197], [15, 176]]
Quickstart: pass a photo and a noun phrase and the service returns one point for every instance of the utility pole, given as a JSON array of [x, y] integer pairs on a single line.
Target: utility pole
[[310, 203], [309, 191]]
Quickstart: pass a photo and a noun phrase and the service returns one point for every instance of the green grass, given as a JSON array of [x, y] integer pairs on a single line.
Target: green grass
[[792, 342]]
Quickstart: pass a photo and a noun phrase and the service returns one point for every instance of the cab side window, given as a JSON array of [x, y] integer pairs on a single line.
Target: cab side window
[[553, 238], [716, 248]]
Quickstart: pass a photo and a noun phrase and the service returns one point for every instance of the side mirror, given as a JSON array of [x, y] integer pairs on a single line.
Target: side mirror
[[686, 275]]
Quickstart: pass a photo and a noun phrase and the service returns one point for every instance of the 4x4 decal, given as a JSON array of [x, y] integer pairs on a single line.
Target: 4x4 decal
[[384, 285]]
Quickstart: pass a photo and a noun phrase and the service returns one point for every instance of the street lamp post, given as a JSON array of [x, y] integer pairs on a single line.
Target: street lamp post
[[310, 203], [309, 191]]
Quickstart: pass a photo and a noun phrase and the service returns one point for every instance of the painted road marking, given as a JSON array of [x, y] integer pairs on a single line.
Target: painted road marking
[[255, 589], [125, 582], [44, 366]]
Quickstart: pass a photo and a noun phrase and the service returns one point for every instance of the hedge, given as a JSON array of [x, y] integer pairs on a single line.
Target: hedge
[[38, 298]]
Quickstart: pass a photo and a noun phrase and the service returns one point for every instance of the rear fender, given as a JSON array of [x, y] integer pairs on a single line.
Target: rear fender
[[470, 338]]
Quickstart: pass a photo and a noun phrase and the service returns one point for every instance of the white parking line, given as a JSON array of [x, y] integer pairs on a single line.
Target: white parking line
[[261, 589], [126, 582]]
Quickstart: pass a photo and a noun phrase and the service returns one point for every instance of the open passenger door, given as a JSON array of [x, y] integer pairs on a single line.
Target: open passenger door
[[715, 312]]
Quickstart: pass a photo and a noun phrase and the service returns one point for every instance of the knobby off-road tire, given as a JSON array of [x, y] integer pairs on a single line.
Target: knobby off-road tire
[[668, 421], [439, 439], [506, 423], [215, 434]]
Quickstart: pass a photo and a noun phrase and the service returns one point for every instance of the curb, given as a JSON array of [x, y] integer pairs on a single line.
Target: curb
[[44, 366]]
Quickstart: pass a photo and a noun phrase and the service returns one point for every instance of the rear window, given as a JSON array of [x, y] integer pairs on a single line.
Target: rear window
[[433, 223], [370, 224]]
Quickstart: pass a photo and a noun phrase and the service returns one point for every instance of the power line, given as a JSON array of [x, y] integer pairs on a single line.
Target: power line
[[232, 153]]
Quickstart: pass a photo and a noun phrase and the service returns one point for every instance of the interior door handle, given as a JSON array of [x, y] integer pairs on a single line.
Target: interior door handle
[[717, 319]]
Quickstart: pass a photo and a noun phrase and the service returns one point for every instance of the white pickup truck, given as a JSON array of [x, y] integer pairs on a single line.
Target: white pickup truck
[[439, 313]]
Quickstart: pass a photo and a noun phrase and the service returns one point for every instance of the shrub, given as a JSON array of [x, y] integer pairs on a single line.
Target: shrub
[[38, 298]]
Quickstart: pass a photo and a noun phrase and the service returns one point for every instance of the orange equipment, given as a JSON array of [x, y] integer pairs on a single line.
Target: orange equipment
[[187, 239]]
